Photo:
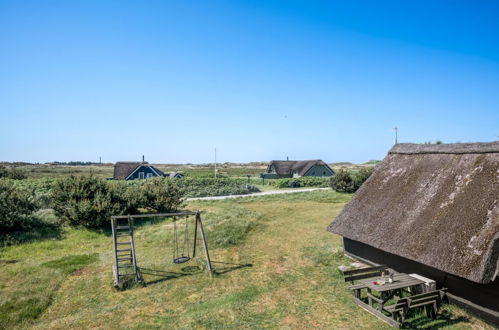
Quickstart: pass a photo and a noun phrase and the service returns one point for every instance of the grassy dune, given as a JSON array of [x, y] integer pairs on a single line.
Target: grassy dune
[[276, 264]]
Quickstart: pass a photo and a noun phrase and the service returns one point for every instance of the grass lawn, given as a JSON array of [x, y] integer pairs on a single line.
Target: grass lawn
[[277, 265]]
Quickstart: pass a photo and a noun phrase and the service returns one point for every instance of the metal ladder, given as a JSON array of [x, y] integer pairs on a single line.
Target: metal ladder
[[125, 262]]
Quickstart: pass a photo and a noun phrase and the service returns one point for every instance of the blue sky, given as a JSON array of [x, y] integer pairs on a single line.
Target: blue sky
[[258, 80]]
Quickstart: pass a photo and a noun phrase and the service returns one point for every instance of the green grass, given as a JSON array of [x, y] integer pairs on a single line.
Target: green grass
[[276, 266], [71, 263]]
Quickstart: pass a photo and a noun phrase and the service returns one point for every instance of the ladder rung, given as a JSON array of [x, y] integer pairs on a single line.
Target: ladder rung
[[120, 259], [122, 234], [124, 250], [127, 274], [125, 266], [122, 227], [123, 243]]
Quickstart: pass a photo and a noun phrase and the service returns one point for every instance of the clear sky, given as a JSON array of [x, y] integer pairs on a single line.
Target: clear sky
[[258, 80]]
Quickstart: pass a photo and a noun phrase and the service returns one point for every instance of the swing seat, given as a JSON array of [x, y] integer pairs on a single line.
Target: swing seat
[[181, 259]]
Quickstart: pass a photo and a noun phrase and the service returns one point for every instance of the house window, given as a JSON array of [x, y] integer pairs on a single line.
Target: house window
[[324, 173], [149, 175], [141, 175]]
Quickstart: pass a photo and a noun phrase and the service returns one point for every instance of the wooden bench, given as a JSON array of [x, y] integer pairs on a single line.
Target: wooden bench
[[429, 301], [359, 274]]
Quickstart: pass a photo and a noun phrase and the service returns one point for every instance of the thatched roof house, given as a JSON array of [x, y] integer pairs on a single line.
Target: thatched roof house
[[297, 168], [135, 170], [432, 209]]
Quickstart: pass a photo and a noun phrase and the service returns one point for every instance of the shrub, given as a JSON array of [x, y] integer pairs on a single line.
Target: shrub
[[90, 201], [201, 187], [342, 181], [11, 173], [161, 195], [361, 176], [40, 187], [86, 201], [347, 182], [305, 181], [16, 207]]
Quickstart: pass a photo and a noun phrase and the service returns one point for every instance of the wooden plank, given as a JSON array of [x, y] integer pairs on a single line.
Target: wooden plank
[[115, 253], [154, 215], [205, 244], [364, 270], [375, 275]]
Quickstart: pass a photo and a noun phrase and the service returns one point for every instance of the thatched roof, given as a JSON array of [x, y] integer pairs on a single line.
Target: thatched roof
[[287, 167], [434, 204], [123, 169]]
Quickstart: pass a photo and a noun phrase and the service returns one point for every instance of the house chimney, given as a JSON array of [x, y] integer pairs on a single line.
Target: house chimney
[[287, 157], [142, 158]]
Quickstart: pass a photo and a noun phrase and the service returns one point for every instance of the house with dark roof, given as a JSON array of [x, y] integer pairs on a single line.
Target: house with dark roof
[[174, 175], [296, 168], [135, 170], [432, 210]]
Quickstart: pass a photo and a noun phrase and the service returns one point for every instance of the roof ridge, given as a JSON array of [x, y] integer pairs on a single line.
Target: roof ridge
[[448, 148]]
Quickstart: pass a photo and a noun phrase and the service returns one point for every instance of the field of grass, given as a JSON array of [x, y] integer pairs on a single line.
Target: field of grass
[[191, 170], [106, 170], [276, 265]]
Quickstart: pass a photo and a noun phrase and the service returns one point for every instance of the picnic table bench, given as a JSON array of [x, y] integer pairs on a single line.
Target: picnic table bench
[[390, 305]]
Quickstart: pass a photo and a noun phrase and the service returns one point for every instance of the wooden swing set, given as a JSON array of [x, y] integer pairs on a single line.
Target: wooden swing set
[[125, 267]]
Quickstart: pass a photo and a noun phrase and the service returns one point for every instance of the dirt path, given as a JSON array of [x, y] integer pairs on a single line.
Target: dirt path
[[264, 193]]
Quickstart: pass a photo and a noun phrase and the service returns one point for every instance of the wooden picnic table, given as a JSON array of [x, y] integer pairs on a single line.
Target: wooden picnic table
[[386, 292], [400, 281]]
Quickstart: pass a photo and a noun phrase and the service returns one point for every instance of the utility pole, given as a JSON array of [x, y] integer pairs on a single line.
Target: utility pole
[[395, 141], [215, 163]]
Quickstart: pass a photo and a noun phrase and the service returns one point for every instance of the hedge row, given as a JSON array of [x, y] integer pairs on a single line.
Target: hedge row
[[305, 181], [201, 187], [90, 201]]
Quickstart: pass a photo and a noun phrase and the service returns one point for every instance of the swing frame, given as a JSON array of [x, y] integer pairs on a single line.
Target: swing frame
[[118, 281]]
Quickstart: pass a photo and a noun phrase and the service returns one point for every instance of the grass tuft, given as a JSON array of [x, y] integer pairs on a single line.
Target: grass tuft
[[71, 263]]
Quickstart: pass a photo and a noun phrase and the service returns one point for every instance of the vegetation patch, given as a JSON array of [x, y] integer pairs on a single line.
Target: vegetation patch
[[325, 255], [201, 187], [71, 263], [229, 226], [21, 310], [305, 181], [349, 182]]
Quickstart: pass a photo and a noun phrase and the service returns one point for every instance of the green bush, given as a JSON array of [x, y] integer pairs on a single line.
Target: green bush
[[361, 176], [348, 182], [86, 201], [40, 187], [161, 195], [90, 201], [304, 181], [16, 207], [201, 187], [11, 173]]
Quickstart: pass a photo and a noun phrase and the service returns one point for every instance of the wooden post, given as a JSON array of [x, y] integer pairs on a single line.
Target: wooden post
[[195, 236], [205, 244], [115, 247], [134, 260]]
